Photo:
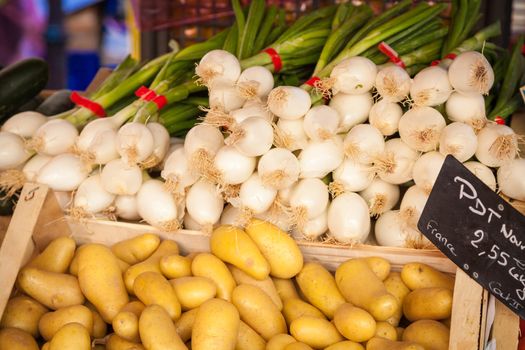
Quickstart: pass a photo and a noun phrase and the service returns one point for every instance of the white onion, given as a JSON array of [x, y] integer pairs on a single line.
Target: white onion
[[134, 142], [64, 199], [278, 216], [289, 102], [278, 168], [430, 87], [355, 75], [200, 145], [396, 163], [313, 228], [290, 134], [157, 206], [177, 172], [471, 73], [412, 205], [33, 166], [497, 144], [469, 109], [284, 195], [421, 127], [252, 137], [459, 140], [351, 176], [225, 96], [218, 64], [321, 122], [93, 128], [126, 207], [190, 223], [254, 196], [54, 137], [257, 110], [64, 172], [364, 143], [391, 231], [348, 219], [319, 158], [385, 116], [353, 109], [426, 169], [381, 196], [308, 200], [233, 167], [103, 148], [393, 83], [161, 144], [121, 178], [24, 124], [510, 179], [204, 203], [231, 216], [255, 81], [12, 151], [91, 197], [482, 172]]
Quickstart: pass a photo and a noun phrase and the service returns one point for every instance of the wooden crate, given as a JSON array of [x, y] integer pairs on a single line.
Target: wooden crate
[[38, 219]]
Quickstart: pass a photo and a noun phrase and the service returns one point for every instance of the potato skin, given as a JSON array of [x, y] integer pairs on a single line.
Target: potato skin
[[175, 266], [258, 311], [433, 335], [266, 285], [285, 288], [279, 248], [56, 257], [294, 308], [209, 266], [380, 266], [395, 286], [153, 288], [157, 330], [419, 275], [114, 342], [386, 330], [345, 345], [279, 341], [193, 291], [319, 287], [51, 322], [354, 323], [72, 336], [100, 279], [315, 332], [297, 346], [212, 332], [136, 249], [428, 304], [100, 328], [184, 325], [16, 339], [248, 339], [377, 343], [52, 289], [126, 326], [23, 312], [234, 246]]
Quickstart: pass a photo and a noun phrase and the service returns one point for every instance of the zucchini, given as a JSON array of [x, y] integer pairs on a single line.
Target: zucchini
[[57, 103], [19, 83]]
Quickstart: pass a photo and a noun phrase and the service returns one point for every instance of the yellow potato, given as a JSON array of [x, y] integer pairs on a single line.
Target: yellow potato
[[175, 266], [72, 336], [157, 330], [380, 266], [400, 331], [314, 331], [114, 342], [152, 263], [209, 266], [395, 286], [258, 311], [431, 334], [294, 308], [184, 325], [135, 306], [100, 328], [52, 289], [377, 343], [216, 326], [278, 247], [345, 345], [279, 341], [447, 322], [16, 339], [248, 339], [100, 279], [136, 249], [386, 330], [126, 325], [234, 246], [354, 323], [23, 312], [395, 318], [297, 346], [123, 265], [266, 285], [428, 304], [193, 291], [153, 288], [361, 287], [51, 322], [285, 288], [319, 287], [73, 267], [56, 257], [45, 346], [418, 275]]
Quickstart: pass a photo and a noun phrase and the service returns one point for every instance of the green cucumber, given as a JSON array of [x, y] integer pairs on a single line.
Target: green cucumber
[[19, 83]]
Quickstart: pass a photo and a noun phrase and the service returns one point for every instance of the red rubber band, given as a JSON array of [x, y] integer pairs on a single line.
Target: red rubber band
[[82, 101], [312, 81], [276, 59], [150, 95], [451, 56], [499, 120], [391, 54], [435, 62]]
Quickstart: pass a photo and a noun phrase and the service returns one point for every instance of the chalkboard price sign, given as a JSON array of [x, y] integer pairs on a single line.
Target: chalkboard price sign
[[480, 232]]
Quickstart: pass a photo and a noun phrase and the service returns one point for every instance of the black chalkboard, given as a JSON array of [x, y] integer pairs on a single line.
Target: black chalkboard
[[480, 232]]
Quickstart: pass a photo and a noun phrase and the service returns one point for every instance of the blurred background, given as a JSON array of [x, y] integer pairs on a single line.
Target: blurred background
[[77, 37]]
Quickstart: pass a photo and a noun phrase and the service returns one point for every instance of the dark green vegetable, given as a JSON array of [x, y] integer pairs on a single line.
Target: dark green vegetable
[[58, 102]]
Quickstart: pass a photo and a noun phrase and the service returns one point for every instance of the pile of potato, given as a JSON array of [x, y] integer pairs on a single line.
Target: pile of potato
[[253, 292]]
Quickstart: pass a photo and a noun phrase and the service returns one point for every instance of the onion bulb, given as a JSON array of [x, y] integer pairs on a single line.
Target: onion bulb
[[426, 170], [385, 117], [91, 197], [393, 83], [497, 144], [256, 81], [510, 179], [255, 197], [190, 223], [313, 228], [231, 216], [246, 112], [120, 178], [469, 109], [381, 196], [321, 123], [233, 167], [161, 145], [355, 75], [348, 219], [33, 166], [319, 158], [24, 124], [252, 137], [395, 164], [204, 203], [412, 205], [421, 127], [482, 172], [278, 168], [218, 65], [157, 206], [64, 172], [289, 102], [126, 207], [353, 109], [430, 87], [351, 176], [134, 142], [471, 73], [54, 137], [12, 151], [459, 140], [309, 198], [290, 134], [225, 96], [200, 145], [391, 231], [363, 143], [177, 172]]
